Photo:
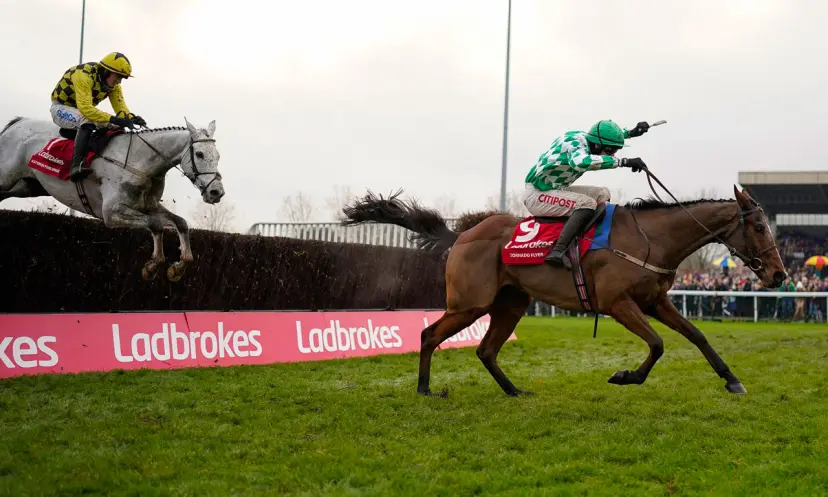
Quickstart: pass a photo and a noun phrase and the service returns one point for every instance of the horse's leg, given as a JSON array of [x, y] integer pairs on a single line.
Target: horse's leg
[[444, 328], [118, 214], [666, 312], [24, 188], [628, 313], [176, 270], [508, 308], [150, 270]]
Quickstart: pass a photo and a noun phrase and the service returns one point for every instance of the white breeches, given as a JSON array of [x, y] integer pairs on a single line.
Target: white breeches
[[69, 117], [561, 203]]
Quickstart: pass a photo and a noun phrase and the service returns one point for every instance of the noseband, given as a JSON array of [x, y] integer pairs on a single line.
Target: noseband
[[752, 259]]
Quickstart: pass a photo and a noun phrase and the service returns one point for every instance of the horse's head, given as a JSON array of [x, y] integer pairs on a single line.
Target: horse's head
[[200, 163], [755, 243]]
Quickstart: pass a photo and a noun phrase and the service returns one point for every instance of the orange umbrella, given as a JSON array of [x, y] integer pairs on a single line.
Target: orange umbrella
[[818, 260]]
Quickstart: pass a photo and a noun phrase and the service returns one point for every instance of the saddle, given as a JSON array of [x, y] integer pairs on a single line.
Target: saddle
[[98, 139]]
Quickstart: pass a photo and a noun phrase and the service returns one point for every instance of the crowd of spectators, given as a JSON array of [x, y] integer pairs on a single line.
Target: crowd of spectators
[[739, 279], [795, 250]]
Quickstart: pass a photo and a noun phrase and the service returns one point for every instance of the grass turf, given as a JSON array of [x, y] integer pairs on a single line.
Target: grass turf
[[357, 427]]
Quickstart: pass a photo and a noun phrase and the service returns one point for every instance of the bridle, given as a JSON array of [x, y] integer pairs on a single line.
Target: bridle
[[193, 176], [752, 259]]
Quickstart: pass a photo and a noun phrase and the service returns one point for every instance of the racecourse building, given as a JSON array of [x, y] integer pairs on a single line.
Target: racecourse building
[[797, 206]]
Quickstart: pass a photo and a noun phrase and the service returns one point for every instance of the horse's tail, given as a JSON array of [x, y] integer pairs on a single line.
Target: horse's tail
[[11, 123], [429, 227]]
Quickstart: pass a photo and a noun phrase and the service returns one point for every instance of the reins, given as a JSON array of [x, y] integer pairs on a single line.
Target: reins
[[192, 176], [752, 260]]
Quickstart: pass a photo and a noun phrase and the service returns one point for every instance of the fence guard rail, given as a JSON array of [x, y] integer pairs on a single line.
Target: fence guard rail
[[755, 295]]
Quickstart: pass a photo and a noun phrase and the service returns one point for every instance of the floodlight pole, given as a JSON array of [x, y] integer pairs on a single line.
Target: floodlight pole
[[506, 111], [83, 22]]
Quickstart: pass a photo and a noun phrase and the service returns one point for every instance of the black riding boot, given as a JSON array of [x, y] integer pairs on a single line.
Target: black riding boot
[[77, 172], [574, 226]]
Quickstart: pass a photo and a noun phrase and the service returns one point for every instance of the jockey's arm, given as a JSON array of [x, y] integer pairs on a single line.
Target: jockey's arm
[[580, 158], [116, 98], [82, 84]]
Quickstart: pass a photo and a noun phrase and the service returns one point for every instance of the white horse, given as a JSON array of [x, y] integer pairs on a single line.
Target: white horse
[[127, 179]]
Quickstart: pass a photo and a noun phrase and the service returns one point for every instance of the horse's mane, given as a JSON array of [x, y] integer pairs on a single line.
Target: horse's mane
[[652, 203], [155, 130]]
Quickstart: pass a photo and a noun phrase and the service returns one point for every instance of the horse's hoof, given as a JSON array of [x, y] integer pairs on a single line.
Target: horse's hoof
[[625, 377], [173, 274], [150, 271], [736, 388], [617, 378]]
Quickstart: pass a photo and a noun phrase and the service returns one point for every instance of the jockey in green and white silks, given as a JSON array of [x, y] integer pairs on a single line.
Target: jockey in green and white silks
[[548, 191]]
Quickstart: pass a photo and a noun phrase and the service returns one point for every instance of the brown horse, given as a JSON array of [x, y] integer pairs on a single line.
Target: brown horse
[[627, 282]]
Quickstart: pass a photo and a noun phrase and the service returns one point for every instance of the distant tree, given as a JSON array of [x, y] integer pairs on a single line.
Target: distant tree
[[340, 197], [446, 205], [214, 217], [514, 203], [297, 208]]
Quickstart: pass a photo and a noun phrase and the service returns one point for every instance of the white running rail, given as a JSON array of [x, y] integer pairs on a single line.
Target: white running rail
[[688, 311], [369, 234]]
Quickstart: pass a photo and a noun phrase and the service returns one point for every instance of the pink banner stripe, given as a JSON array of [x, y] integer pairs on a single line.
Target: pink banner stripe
[[75, 343]]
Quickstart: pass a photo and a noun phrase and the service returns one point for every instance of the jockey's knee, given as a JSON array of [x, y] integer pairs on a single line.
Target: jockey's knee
[[586, 203], [603, 195]]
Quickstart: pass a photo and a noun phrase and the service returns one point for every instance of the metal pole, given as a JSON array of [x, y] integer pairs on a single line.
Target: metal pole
[[83, 21], [80, 56], [755, 309], [506, 112]]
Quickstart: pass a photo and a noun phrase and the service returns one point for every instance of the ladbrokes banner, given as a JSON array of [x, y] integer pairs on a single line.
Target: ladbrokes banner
[[74, 343]]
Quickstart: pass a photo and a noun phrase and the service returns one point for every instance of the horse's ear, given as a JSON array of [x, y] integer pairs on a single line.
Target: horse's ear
[[211, 128], [740, 197], [190, 127]]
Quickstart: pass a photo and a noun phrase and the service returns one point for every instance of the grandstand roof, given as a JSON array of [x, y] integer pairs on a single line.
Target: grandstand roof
[[799, 192]]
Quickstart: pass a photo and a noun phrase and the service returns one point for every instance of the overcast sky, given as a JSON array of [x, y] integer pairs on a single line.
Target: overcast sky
[[381, 94]]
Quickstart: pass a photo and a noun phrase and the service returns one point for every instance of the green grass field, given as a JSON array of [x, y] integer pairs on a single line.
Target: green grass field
[[357, 427]]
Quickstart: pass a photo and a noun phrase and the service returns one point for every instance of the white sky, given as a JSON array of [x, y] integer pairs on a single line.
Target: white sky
[[313, 94]]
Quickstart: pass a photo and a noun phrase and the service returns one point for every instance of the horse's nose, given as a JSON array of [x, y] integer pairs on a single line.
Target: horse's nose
[[779, 277], [216, 193]]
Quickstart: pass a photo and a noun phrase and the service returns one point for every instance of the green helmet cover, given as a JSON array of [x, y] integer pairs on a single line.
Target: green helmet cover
[[607, 133]]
